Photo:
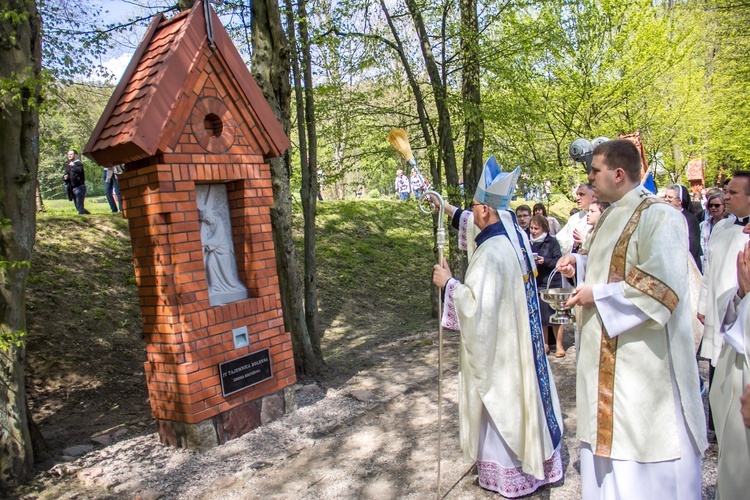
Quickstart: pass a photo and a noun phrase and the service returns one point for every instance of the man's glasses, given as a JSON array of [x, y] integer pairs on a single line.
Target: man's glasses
[[715, 205], [472, 205]]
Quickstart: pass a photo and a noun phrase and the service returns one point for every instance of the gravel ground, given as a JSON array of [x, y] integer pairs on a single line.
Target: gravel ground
[[374, 437]]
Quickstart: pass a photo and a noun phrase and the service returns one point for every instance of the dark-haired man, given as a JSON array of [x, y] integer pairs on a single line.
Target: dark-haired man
[[76, 178], [523, 214], [640, 415], [720, 273]]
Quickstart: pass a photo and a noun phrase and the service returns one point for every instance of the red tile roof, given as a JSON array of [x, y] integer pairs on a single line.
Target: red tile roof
[[138, 112]]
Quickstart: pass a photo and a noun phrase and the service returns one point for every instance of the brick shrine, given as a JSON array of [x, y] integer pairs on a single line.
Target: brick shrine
[[184, 116]]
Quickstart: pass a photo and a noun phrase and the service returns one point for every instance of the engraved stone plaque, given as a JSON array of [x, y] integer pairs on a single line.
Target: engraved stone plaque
[[245, 371]]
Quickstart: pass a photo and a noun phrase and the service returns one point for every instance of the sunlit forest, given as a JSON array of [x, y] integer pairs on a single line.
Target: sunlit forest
[[517, 79]]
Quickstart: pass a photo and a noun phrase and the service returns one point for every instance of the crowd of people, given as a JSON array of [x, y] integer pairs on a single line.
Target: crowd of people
[[74, 184], [406, 186], [643, 269]]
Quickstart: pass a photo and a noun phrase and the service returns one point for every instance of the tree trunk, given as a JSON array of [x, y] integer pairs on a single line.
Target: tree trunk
[[309, 190], [445, 138], [20, 64], [473, 121], [39, 199], [270, 65], [424, 118]]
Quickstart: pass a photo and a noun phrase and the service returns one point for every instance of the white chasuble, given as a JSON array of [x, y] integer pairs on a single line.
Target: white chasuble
[[636, 387], [730, 378], [502, 420], [719, 276]]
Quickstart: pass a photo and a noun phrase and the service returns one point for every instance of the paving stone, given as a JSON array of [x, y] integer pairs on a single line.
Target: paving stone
[[272, 408], [121, 432], [150, 494], [311, 388], [104, 440], [363, 396], [128, 486], [223, 482], [78, 450]]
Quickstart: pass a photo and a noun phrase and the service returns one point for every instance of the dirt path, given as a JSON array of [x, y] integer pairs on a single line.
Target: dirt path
[[373, 437]]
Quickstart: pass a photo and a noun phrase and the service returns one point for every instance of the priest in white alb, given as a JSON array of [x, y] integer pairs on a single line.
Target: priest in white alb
[[731, 377], [720, 271], [572, 235], [640, 417], [509, 414]]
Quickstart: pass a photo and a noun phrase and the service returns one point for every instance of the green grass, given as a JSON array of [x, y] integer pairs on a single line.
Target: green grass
[[374, 277], [97, 205], [375, 262]]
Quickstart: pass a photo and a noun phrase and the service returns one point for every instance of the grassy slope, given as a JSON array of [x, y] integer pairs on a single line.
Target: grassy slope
[[375, 267], [85, 353]]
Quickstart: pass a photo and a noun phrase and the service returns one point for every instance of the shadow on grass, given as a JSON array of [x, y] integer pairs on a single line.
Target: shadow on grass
[[84, 350], [375, 272]]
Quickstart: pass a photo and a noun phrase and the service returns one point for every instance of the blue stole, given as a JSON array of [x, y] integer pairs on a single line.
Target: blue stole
[[535, 323]]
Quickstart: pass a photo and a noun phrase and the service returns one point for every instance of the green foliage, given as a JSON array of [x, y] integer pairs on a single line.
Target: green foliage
[[10, 339], [728, 70], [19, 91], [552, 71], [374, 274], [13, 17], [9, 266], [68, 125], [585, 69]]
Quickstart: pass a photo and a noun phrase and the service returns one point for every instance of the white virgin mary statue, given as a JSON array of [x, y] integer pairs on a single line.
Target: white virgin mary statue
[[224, 285]]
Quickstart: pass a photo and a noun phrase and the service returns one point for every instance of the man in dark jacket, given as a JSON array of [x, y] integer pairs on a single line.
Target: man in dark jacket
[[678, 196], [76, 178]]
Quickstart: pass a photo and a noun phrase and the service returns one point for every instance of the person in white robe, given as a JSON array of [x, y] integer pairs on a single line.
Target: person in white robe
[[510, 421], [720, 272], [576, 229], [731, 377], [640, 417]]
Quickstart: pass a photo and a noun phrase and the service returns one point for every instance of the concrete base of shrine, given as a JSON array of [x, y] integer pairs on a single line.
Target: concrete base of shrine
[[228, 425]]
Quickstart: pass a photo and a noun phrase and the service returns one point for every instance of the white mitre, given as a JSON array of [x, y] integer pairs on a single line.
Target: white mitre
[[495, 188]]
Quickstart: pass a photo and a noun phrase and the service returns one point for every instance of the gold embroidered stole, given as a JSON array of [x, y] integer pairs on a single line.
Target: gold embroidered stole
[[608, 351]]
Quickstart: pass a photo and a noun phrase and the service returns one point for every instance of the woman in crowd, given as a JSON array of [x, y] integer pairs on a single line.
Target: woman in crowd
[[678, 197], [554, 224], [715, 210], [547, 251]]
